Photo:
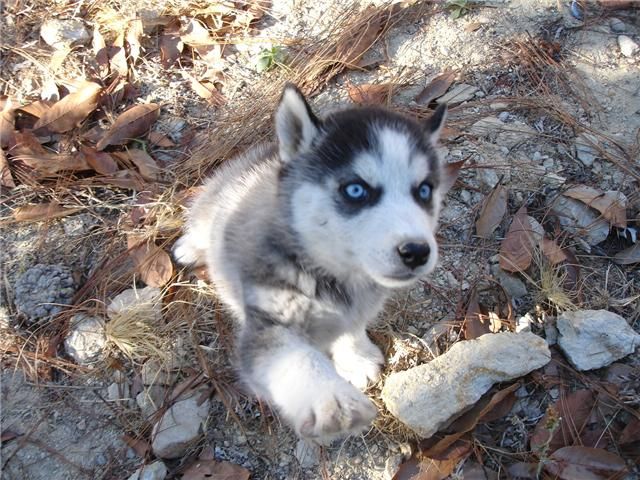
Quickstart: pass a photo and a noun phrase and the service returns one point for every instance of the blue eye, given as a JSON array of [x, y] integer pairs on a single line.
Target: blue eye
[[355, 191], [424, 191]]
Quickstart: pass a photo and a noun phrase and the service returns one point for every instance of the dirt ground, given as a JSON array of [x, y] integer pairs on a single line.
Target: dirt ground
[[544, 70]]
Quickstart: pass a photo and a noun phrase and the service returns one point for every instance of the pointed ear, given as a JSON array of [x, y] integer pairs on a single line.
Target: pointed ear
[[433, 125], [296, 124], [450, 173]]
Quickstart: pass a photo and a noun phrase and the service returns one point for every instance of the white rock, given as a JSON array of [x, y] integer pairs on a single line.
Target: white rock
[[628, 47], [523, 324], [507, 135], [154, 471], [458, 94], [150, 399], [145, 301], [86, 338], [580, 220], [585, 148], [427, 397], [61, 33], [486, 126], [307, 454], [179, 427], [155, 373], [595, 338]]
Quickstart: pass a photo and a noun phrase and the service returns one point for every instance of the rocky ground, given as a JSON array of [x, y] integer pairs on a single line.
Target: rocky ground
[[113, 361]]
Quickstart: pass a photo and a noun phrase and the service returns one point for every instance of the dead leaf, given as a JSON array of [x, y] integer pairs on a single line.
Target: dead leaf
[[134, 33], [160, 140], [628, 256], [493, 210], [194, 33], [146, 165], [101, 162], [550, 249], [631, 433], [361, 35], [584, 463], [36, 109], [132, 123], [67, 114], [371, 94], [214, 470], [139, 445], [49, 164], [474, 324], [101, 52], [436, 88], [43, 211], [8, 435], [206, 90], [444, 464], [516, 250], [57, 59], [611, 204], [171, 47], [7, 121], [152, 263], [6, 180], [574, 409], [118, 56], [523, 470], [491, 407]]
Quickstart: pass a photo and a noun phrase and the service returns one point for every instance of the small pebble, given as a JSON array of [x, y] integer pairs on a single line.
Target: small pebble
[[628, 47], [617, 25]]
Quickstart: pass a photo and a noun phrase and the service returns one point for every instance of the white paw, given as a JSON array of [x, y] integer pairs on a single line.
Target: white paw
[[184, 253], [358, 361], [335, 412]]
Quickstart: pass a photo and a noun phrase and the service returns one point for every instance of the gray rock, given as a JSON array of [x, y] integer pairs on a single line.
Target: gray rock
[[179, 427], [118, 391], [628, 47], [155, 373], [580, 220], [41, 291], [617, 25], [507, 135], [86, 339], [511, 283], [586, 150], [145, 301], [595, 338], [488, 177], [307, 454], [62, 33], [150, 400], [458, 94], [428, 397], [154, 471]]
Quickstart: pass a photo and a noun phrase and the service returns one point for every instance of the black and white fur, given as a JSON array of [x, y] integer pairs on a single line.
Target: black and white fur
[[304, 242]]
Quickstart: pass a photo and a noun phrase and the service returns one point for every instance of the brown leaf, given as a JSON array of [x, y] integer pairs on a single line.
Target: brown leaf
[[628, 256], [36, 109], [493, 210], [611, 204], [152, 263], [71, 110], [206, 90], [361, 35], [523, 470], [213, 470], [445, 463], [554, 253], [436, 88], [585, 463], [194, 33], [118, 57], [101, 162], [368, 93], [139, 445], [631, 432], [575, 410], [101, 52], [516, 250], [132, 123], [134, 33], [171, 47], [160, 140], [43, 211], [6, 180], [474, 324], [491, 407], [49, 164], [8, 435], [146, 165], [7, 121]]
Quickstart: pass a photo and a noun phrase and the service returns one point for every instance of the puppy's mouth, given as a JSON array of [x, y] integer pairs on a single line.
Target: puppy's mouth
[[405, 277]]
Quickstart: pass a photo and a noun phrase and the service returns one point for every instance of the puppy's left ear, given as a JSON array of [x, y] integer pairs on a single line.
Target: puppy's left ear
[[433, 125], [296, 124], [450, 173]]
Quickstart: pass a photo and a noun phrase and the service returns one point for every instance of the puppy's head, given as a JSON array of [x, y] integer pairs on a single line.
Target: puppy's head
[[363, 188]]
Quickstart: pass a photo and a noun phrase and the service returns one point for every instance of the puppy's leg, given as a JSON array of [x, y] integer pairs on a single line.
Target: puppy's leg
[[357, 359], [189, 250], [301, 383]]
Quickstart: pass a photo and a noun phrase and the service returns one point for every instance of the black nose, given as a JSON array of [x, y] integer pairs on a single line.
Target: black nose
[[414, 254]]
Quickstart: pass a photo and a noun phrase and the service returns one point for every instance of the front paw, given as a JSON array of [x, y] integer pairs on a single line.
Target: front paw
[[360, 363], [335, 413]]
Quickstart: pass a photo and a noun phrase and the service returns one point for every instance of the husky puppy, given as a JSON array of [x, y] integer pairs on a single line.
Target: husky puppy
[[305, 240]]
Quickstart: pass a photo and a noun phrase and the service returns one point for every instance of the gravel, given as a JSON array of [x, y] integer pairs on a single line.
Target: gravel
[[42, 291]]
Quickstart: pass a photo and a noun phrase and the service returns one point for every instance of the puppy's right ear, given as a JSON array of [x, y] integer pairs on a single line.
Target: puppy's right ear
[[296, 124]]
